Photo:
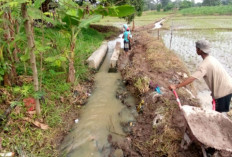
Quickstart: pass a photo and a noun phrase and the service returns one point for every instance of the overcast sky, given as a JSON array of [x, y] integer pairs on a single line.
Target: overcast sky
[[196, 1]]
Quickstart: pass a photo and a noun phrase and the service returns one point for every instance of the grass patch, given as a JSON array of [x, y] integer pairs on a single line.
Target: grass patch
[[208, 10], [161, 58]]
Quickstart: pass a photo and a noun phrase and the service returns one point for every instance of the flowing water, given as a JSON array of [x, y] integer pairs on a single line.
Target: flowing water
[[183, 43], [100, 117]]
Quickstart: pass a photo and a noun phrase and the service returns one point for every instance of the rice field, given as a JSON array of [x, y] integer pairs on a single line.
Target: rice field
[[147, 18], [187, 31], [200, 22]]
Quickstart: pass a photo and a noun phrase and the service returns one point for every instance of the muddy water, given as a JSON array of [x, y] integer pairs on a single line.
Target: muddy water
[[183, 43], [100, 117]]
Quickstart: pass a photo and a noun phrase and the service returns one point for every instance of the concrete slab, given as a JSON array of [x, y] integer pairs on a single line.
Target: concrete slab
[[95, 60], [114, 57]]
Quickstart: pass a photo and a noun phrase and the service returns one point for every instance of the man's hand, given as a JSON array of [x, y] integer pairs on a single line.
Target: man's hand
[[172, 87], [182, 84]]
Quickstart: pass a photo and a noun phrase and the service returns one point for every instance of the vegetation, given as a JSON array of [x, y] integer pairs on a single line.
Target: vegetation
[[20, 136], [208, 10], [221, 6]]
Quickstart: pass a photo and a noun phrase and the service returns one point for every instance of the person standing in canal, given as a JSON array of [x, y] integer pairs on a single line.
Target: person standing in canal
[[215, 76], [127, 40]]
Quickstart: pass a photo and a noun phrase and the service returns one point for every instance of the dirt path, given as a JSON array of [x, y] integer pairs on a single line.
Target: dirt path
[[160, 124]]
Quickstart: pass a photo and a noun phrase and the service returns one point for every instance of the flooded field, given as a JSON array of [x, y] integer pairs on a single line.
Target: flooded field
[[183, 43], [200, 22], [187, 32]]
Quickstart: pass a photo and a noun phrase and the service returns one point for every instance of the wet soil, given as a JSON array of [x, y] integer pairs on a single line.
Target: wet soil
[[160, 123]]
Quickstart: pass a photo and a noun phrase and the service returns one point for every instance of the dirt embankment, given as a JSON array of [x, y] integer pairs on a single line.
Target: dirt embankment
[[160, 124]]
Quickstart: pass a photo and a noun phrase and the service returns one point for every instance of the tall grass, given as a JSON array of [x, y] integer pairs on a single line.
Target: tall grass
[[208, 10]]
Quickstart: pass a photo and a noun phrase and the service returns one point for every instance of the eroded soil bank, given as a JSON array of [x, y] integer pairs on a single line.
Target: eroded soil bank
[[160, 124]]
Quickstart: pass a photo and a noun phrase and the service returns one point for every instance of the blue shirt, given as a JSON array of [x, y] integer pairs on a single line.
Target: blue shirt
[[126, 34]]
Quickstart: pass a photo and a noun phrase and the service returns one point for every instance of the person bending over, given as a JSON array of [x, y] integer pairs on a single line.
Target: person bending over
[[215, 76]]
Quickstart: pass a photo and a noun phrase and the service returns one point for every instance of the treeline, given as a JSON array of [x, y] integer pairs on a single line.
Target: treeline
[[167, 5]]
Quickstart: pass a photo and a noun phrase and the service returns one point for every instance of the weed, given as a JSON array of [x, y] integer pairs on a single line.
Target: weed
[[142, 84]]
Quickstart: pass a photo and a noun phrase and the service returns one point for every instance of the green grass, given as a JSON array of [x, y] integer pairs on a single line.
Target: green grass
[[208, 10]]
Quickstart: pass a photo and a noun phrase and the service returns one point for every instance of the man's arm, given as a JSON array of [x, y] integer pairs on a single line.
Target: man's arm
[[182, 84]]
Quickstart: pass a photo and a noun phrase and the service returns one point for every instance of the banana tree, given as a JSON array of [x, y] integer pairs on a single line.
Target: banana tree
[[73, 17]]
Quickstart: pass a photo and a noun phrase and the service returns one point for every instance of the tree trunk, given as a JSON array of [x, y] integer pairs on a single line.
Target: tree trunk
[[31, 45], [12, 30], [71, 70], [9, 37]]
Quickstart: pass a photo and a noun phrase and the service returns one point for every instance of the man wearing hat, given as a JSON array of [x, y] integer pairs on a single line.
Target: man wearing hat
[[215, 76]]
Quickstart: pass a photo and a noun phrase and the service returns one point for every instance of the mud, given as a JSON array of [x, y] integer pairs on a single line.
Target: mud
[[160, 124]]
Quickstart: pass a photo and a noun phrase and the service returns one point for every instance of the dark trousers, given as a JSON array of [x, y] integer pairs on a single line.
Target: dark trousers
[[223, 104], [127, 48]]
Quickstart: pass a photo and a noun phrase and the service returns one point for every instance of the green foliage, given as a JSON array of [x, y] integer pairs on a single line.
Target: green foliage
[[211, 2], [212, 10], [53, 116], [137, 4], [15, 103], [159, 7], [164, 3], [12, 3], [115, 11], [87, 21], [185, 4], [37, 4], [169, 6], [25, 90]]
